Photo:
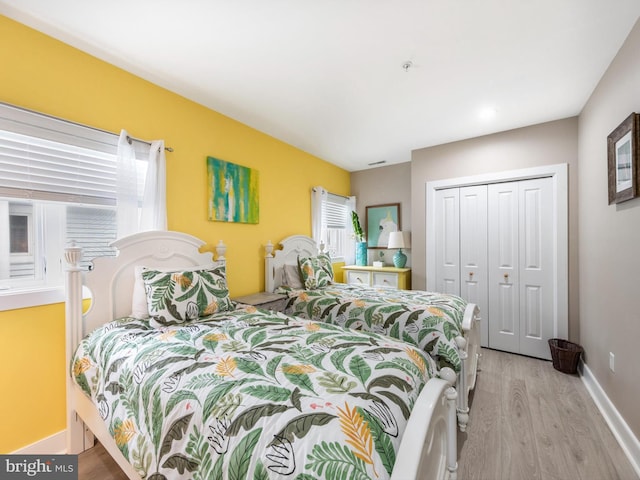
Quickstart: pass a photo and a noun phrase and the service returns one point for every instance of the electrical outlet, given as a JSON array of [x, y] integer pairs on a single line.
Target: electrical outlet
[[612, 362]]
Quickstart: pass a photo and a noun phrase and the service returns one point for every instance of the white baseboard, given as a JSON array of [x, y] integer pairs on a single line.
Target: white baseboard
[[627, 440], [52, 445]]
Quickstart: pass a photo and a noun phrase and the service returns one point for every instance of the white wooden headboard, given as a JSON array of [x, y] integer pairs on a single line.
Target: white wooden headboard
[[110, 282], [292, 247]]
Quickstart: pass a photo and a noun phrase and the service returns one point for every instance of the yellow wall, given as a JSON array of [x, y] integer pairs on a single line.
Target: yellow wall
[[45, 75], [32, 369]]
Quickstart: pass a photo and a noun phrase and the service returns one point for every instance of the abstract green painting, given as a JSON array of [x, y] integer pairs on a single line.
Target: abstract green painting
[[233, 192]]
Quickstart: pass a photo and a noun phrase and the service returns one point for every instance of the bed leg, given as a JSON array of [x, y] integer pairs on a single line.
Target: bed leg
[[461, 386], [463, 419], [452, 443], [463, 402], [75, 434]]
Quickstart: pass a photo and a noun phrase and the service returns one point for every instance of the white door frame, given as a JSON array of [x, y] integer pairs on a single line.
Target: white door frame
[[558, 173]]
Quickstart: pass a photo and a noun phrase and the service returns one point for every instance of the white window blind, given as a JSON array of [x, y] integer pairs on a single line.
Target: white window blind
[[47, 158], [41, 169], [93, 229], [335, 211]]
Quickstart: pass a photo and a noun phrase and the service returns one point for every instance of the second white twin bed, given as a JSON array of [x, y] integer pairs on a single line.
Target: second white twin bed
[[444, 326]]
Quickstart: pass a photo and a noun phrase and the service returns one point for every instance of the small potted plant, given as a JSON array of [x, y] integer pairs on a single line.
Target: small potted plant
[[361, 243]]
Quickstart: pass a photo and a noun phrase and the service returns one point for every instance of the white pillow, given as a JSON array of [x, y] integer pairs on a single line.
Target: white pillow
[[292, 277], [139, 308]]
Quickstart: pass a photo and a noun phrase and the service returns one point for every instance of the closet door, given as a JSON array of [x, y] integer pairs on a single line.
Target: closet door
[[503, 258], [508, 258], [537, 290], [448, 241], [473, 252]]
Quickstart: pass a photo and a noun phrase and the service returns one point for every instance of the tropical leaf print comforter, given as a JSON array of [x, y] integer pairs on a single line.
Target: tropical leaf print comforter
[[428, 320], [252, 395]]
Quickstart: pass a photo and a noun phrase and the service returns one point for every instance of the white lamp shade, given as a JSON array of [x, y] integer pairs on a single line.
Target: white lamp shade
[[396, 240]]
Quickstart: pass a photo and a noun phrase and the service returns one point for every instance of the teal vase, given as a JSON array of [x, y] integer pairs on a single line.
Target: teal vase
[[361, 254]]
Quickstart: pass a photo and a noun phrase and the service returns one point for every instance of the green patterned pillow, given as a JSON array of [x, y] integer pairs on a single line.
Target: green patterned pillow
[[316, 272], [183, 296]]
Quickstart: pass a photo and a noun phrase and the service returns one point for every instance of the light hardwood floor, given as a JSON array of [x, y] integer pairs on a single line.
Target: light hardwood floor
[[528, 421]]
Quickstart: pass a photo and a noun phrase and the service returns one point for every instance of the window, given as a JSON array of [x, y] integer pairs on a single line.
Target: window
[[331, 223], [19, 233], [57, 185], [337, 217], [21, 248]]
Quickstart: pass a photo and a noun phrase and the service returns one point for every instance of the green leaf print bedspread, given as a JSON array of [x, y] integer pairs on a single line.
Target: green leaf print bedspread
[[252, 395], [428, 320]]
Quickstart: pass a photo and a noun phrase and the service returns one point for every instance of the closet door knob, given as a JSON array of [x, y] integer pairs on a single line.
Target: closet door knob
[[471, 274], [506, 277]]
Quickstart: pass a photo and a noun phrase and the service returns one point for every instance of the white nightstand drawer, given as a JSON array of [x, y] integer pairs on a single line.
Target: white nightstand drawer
[[358, 278], [382, 279], [378, 276]]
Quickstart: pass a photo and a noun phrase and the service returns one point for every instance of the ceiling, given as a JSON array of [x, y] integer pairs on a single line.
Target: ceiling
[[356, 82]]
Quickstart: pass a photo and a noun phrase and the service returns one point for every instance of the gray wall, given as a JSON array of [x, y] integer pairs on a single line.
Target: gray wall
[[609, 241], [545, 144], [377, 186], [604, 293]]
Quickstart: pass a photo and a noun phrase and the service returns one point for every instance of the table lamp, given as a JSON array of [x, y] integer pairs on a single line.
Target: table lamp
[[396, 240]]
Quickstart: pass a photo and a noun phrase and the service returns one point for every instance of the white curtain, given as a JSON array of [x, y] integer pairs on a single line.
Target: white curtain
[[154, 203], [350, 248], [153, 214], [126, 187], [318, 230]]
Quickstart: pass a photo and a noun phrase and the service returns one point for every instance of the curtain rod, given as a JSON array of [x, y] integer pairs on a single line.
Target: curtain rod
[[129, 138], [336, 194]]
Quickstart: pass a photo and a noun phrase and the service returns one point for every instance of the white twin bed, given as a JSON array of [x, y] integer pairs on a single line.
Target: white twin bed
[[237, 392], [383, 309]]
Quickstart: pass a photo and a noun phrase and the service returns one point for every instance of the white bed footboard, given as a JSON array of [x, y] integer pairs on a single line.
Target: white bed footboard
[[429, 447]]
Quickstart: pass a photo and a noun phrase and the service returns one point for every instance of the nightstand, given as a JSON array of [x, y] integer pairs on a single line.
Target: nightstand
[[378, 276], [265, 300]]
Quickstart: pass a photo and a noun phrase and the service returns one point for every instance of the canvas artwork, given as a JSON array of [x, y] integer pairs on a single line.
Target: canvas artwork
[[381, 221], [233, 192]]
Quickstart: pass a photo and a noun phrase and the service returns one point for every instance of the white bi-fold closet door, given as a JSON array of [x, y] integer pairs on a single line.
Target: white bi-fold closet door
[[521, 265], [494, 247], [461, 247]]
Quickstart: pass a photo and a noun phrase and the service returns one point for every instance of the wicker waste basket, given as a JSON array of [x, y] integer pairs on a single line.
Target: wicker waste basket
[[565, 355]]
